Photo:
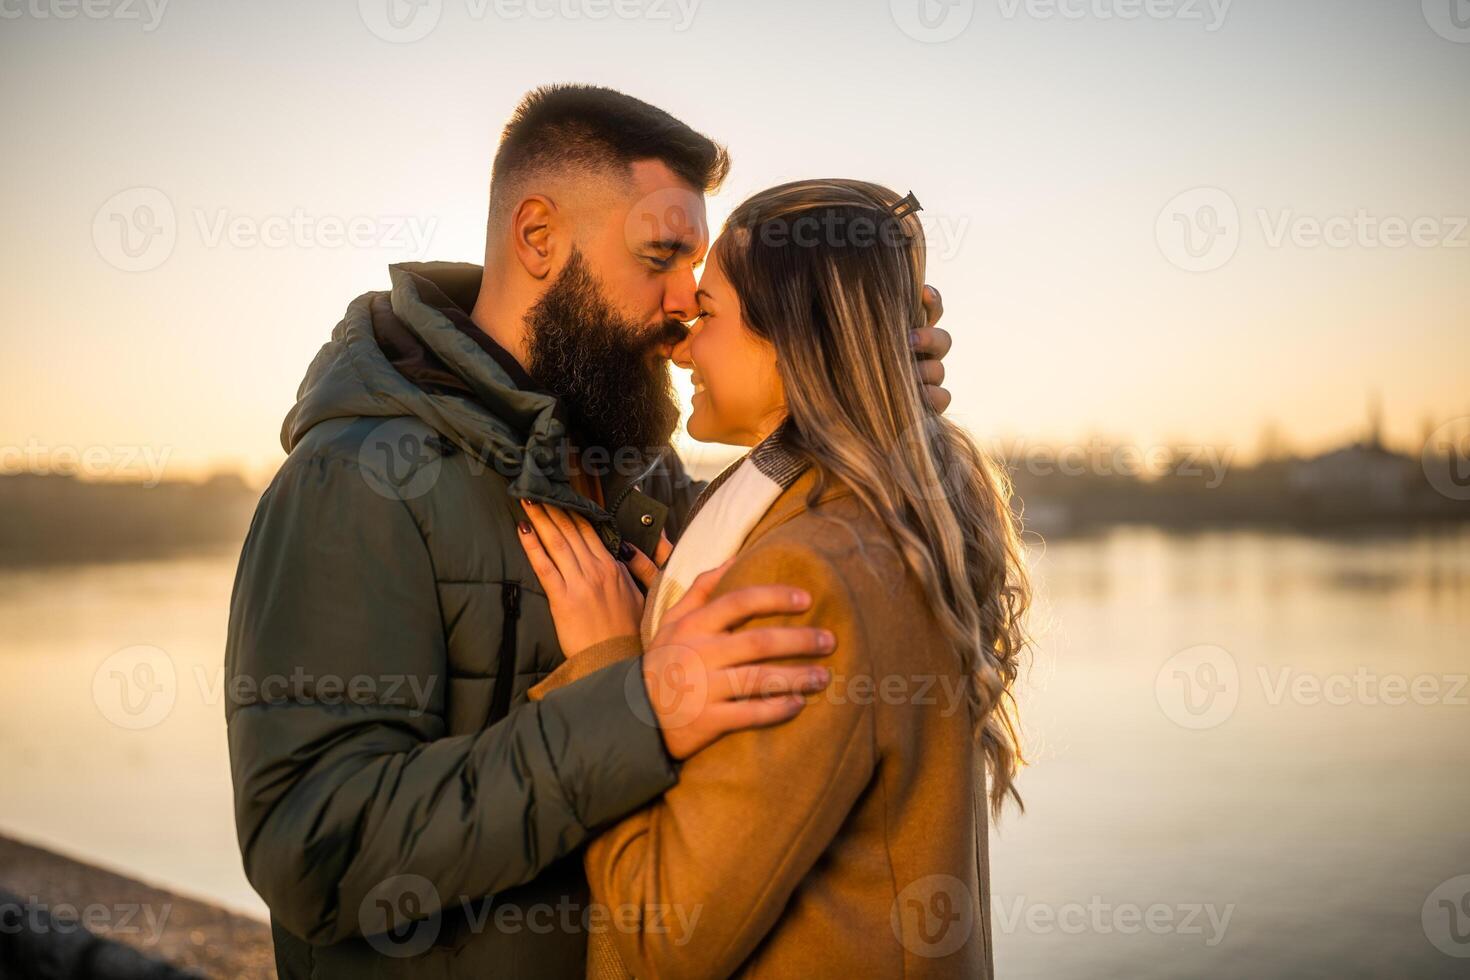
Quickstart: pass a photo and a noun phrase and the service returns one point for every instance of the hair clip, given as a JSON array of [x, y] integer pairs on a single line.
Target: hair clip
[[907, 206]]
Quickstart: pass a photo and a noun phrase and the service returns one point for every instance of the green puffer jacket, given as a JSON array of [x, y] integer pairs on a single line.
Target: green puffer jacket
[[401, 806]]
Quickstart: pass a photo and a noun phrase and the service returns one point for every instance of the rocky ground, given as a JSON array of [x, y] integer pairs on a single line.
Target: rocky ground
[[189, 933]]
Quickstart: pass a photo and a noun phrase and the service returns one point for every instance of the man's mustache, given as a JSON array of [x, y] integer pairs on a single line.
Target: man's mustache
[[672, 332]]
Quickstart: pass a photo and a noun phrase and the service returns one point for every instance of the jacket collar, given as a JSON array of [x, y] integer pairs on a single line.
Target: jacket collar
[[793, 501]]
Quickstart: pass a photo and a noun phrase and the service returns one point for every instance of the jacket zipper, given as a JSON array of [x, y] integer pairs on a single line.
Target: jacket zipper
[[505, 671]]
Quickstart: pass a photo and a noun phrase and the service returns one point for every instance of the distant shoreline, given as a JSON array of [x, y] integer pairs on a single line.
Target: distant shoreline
[[56, 520]]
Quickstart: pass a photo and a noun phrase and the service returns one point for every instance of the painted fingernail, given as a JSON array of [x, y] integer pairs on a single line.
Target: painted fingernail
[[828, 640], [821, 676], [913, 338], [625, 550], [800, 598], [524, 527]]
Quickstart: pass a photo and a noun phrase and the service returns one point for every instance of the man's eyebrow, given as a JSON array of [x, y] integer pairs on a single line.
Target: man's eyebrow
[[676, 245]]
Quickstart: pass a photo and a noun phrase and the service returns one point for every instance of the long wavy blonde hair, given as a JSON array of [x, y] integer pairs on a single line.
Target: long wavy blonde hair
[[832, 278]]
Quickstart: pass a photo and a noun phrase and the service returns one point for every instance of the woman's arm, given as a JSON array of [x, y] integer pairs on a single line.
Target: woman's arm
[[694, 882]]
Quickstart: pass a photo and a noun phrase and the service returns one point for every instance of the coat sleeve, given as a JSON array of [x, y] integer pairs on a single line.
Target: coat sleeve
[[717, 857], [344, 778]]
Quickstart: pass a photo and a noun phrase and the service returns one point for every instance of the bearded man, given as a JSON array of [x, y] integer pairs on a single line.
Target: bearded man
[[401, 804]]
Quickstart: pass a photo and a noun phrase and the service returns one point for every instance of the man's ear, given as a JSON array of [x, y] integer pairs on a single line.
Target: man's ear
[[532, 235]]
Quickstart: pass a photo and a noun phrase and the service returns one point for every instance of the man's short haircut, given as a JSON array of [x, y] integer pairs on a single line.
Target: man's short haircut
[[589, 129]]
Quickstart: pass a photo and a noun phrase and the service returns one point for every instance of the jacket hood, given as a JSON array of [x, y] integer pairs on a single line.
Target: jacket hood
[[491, 419]]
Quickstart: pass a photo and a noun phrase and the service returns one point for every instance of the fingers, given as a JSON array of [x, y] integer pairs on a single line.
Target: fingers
[[735, 716], [771, 642], [577, 531], [698, 594], [546, 571], [930, 342], [938, 398], [933, 306], [767, 680], [643, 569], [595, 547], [552, 539], [729, 611], [931, 372], [664, 549]]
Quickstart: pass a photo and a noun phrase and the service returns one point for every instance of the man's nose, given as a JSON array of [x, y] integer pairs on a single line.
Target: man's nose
[[679, 301]]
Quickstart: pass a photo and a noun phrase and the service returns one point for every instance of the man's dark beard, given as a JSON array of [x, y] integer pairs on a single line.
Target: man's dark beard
[[601, 366]]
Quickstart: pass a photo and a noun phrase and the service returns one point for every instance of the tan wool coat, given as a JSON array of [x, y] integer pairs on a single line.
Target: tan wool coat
[[849, 842]]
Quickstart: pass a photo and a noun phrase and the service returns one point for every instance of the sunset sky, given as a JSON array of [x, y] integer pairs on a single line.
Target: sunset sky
[[1049, 144]]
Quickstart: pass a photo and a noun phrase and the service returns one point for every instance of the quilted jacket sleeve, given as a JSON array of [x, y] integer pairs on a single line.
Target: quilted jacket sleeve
[[344, 778]]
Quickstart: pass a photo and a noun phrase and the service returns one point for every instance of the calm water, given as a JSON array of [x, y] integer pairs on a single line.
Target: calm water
[[1251, 753]]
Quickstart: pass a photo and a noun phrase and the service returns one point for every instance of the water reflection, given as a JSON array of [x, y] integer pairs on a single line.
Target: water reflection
[[1320, 808], [1298, 835]]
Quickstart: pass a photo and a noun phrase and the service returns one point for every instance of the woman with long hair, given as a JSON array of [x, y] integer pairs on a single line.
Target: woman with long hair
[[850, 841]]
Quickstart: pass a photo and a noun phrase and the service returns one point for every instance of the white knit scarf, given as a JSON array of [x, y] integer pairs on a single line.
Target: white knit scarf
[[721, 519]]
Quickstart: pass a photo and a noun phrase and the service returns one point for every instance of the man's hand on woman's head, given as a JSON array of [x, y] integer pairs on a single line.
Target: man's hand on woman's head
[[931, 343]]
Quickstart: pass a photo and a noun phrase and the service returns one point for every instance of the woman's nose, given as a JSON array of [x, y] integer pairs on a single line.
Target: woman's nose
[[682, 354]]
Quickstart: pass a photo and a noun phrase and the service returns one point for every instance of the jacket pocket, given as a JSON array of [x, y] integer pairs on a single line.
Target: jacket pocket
[[505, 667]]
